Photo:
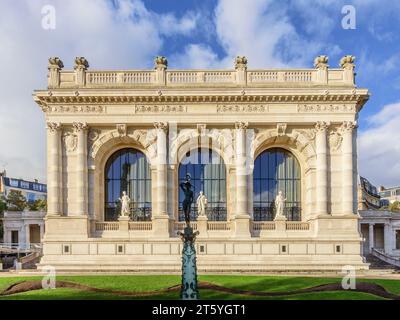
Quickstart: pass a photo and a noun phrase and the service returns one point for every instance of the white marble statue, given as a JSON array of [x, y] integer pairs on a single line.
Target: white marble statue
[[279, 204], [125, 202], [201, 204]]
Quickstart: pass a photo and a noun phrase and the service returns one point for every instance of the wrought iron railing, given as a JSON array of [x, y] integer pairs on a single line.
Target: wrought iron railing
[[268, 213], [212, 213], [136, 214]]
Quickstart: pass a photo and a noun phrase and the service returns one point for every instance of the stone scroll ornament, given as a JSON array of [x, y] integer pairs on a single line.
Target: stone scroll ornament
[[189, 290]]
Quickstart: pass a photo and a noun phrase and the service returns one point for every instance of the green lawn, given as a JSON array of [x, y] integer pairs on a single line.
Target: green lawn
[[138, 283]]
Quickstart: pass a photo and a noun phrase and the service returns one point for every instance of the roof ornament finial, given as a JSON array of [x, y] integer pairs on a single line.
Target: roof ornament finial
[[321, 62], [241, 62]]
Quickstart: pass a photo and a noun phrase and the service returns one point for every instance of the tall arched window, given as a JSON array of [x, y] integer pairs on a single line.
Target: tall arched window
[[128, 170], [208, 174], [276, 170]]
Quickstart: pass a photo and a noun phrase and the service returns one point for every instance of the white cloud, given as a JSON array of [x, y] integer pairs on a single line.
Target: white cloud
[[197, 56], [379, 147], [125, 36]]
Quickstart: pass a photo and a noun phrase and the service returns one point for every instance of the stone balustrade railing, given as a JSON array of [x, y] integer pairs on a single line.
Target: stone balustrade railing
[[218, 225], [141, 225], [81, 77], [107, 226], [263, 225], [297, 226], [211, 226]]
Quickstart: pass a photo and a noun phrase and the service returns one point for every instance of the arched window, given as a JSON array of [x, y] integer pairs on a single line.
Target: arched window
[[276, 170], [128, 170], [208, 174]]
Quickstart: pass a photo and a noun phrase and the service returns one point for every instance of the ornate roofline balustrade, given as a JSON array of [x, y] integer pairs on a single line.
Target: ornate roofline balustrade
[[160, 76]]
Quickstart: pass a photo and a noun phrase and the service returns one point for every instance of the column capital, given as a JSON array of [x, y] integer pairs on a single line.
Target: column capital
[[161, 125], [348, 126], [321, 126], [53, 126], [80, 126], [241, 125]]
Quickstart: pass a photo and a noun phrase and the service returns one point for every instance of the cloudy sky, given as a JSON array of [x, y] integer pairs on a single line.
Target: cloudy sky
[[198, 34]]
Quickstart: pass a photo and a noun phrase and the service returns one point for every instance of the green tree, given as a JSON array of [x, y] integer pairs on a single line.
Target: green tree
[[16, 201], [3, 206], [38, 205], [395, 206]]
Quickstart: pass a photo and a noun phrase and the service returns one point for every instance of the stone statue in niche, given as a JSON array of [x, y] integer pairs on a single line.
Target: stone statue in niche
[[187, 202], [125, 203], [201, 204], [279, 206]]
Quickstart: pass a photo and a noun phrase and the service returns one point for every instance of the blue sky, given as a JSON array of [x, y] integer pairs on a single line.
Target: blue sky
[[199, 34]]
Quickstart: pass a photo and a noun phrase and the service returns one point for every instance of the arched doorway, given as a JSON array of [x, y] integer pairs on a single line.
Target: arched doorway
[[208, 174], [128, 170], [276, 169]]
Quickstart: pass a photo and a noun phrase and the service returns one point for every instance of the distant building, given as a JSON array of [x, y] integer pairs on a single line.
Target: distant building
[[26, 227], [368, 196], [31, 190], [389, 195]]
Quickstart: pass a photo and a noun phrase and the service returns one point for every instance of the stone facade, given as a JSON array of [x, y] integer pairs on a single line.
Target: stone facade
[[237, 113]]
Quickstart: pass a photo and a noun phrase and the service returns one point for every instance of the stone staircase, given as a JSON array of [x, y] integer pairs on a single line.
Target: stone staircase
[[378, 264]]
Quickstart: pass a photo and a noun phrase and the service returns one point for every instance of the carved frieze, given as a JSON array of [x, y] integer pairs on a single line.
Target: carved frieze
[[326, 108], [73, 109], [249, 108], [160, 109]]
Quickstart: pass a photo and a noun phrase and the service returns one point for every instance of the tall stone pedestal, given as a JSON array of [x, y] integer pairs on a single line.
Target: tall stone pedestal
[[241, 225], [202, 226], [124, 223], [161, 226]]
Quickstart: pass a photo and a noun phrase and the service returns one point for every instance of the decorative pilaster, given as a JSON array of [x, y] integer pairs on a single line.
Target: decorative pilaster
[[161, 65], [347, 64], [347, 167], [241, 70], [242, 218], [81, 130], [80, 67], [321, 64], [161, 218], [54, 194], [53, 78], [322, 169]]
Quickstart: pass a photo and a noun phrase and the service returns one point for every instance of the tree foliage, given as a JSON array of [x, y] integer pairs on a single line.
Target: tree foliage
[[395, 206], [38, 205], [16, 201]]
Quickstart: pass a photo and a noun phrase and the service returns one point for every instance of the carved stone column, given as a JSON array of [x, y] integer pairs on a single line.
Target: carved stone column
[[242, 218], [54, 195], [160, 217], [322, 170], [347, 167], [161, 128], [81, 168], [387, 236], [371, 237]]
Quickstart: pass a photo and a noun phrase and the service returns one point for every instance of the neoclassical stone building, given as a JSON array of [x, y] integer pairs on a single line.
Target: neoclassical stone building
[[242, 135]]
